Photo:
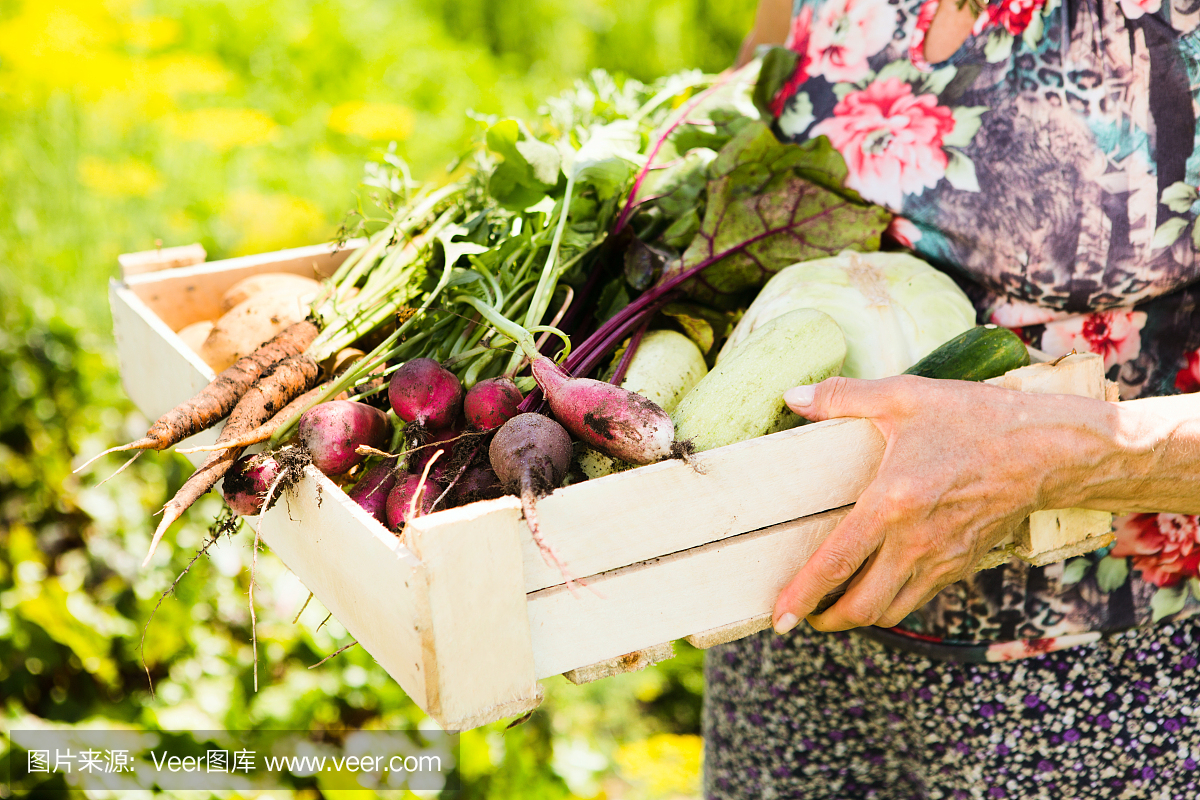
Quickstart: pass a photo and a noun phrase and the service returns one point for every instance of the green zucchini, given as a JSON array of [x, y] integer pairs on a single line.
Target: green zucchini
[[977, 354], [742, 397]]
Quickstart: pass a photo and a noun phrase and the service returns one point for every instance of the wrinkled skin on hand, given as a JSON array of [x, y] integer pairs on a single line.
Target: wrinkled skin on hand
[[964, 463]]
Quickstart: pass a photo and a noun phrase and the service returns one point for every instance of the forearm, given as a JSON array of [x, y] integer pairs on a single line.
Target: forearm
[[1152, 461], [771, 23]]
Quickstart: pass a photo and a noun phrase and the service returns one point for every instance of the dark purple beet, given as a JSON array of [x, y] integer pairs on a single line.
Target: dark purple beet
[[332, 431], [477, 483], [531, 454], [400, 499], [371, 492], [247, 482], [491, 403], [424, 393]]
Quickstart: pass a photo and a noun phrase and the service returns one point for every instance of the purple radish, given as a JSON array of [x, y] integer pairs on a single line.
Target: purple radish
[[424, 393], [371, 492], [399, 501], [619, 422], [332, 431], [477, 483], [531, 454], [247, 482], [491, 403]]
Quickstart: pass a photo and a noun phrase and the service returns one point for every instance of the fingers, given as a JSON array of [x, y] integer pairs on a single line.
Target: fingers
[[843, 397], [870, 595], [835, 562]]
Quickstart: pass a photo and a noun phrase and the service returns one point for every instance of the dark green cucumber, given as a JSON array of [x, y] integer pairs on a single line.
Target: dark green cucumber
[[985, 351]]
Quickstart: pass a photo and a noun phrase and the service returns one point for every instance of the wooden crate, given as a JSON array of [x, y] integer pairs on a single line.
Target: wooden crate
[[465, 614]]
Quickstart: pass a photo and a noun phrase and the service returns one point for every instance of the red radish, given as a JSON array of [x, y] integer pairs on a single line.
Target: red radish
[[332, 431], [371, 492], [424, 393], [619, 422], [247, 482], [399, 502], [531, 454], [491, 403], [477, 483]]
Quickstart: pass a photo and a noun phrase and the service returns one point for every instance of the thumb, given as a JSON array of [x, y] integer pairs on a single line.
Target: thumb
[[834, 397]]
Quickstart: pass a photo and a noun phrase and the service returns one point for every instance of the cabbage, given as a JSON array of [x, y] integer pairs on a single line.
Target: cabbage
[[893, 308]]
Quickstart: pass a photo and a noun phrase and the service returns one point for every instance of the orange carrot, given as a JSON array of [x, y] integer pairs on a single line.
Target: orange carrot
[[217, 399], [264, 431], [290, 377]]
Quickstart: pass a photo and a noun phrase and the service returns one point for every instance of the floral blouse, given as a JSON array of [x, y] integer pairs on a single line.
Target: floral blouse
[[1051, 164]]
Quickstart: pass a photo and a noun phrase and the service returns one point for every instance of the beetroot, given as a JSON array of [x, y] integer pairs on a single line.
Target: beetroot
[[619, 422], [247, 482], [491, 403], [531, 454], [424, 393], [372, 490], [332, 431], [477, 483], [399, 502]]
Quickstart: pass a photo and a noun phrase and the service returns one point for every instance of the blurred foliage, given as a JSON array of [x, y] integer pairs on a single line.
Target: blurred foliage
[[244, 125]]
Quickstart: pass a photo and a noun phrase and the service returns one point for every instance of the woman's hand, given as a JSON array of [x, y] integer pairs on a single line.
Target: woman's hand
[[964, 463]]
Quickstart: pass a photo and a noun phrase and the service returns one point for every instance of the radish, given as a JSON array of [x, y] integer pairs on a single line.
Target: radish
[[424, 393], [400, 500], [372, 491], [617, 421], [441, 469], [491, 403], [332, 431], [247, 482], [531, 454]]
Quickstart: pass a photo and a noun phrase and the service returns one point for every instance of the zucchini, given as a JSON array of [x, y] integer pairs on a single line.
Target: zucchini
[[977, 354], [742, 397]]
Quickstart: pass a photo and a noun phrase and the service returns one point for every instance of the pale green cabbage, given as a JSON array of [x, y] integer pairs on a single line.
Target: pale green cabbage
[[892, 307]]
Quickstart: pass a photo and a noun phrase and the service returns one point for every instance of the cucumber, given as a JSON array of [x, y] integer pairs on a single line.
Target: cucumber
[[742, 397], [977, 354], [665, 367]]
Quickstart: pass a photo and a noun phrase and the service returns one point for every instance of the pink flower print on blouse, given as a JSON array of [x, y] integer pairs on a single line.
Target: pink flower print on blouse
[[890, 139], [1187, 380], [797, 41], [903, 232], [1012, 15], [1133, 9], [1116, 335], [846, 34], [1165, 547]]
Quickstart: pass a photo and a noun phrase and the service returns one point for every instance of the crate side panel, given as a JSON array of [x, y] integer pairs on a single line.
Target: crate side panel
[[190, 294], [158, 371], [621, 519], [361, 572], [477, 601], [671, 597]]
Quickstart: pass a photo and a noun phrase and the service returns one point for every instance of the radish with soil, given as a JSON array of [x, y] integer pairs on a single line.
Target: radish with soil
[[333, 431], [491, 403], [423, 393], [371, 492]]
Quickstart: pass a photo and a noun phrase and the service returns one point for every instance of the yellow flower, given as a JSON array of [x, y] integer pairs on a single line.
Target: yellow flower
[[152, 33], [372, 120], [662, 766], [273, 221], [127, 178], [180, 73], [223, 128]]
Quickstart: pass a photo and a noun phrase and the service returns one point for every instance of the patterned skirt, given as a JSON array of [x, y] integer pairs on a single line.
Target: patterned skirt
[[842, 717]]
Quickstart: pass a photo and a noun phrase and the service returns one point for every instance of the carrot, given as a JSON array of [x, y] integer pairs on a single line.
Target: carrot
[[290, 377], [264, 431], [217, 399]]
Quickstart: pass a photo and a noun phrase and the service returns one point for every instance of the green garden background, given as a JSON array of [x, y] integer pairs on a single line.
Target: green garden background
[[245, 125]]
